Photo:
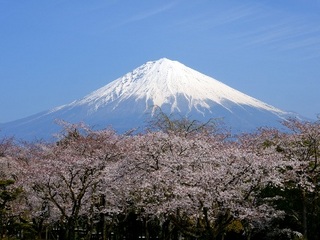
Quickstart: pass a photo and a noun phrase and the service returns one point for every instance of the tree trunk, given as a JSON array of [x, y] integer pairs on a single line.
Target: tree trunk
[[104, 228], [304, 216], [147, 236], [71, 229]]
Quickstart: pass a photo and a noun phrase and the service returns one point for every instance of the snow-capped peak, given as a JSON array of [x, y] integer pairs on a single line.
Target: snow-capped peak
[[165, 81], [129, 101]]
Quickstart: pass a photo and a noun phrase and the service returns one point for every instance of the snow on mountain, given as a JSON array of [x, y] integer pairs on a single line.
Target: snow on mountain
[[157, 82], [126, 102]]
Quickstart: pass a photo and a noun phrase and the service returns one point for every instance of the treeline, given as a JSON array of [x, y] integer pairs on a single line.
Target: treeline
[[179, 180]]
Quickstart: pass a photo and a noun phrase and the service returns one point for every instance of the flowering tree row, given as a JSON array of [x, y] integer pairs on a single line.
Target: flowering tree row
[[182, 181]]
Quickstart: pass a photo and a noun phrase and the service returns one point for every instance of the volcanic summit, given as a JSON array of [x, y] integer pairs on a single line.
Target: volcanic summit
[[128, 101]]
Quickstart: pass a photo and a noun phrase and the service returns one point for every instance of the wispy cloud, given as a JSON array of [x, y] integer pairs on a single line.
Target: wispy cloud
[[150, 13], [146, 14], [289, 35], [218, 18], [243, 13], [258, 25]]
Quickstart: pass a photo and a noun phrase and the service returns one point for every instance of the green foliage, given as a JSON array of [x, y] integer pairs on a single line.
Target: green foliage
[[8, 193]]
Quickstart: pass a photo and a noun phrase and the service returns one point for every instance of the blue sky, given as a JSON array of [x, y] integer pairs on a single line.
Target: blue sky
[[54, 52]]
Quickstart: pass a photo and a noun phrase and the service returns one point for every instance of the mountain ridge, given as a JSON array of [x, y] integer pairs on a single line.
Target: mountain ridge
[[217, 93], [127, 101]]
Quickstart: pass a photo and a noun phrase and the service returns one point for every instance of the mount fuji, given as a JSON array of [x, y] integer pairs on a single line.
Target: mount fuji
[[131, 99]]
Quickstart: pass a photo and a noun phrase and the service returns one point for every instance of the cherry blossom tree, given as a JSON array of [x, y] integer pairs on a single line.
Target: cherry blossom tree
[[199, 182], [183, 180], [65, 178], [12, 195], [301, 146]]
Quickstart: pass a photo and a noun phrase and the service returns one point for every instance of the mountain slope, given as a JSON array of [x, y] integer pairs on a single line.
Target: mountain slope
[[126, 102]]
